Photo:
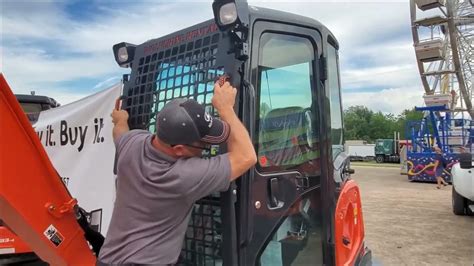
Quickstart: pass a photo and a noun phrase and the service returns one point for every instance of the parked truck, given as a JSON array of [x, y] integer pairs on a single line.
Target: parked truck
[[360, 150], [463, 185], [297, 206], [33, 104], [388, 150]]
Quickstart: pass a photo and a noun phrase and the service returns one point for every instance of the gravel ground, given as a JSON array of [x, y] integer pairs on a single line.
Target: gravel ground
[[412, 223]]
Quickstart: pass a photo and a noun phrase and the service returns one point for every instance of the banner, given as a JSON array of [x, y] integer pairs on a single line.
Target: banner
[[78, 140]]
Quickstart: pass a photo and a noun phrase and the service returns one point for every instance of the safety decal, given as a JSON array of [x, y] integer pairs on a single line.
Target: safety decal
[[54, 235]]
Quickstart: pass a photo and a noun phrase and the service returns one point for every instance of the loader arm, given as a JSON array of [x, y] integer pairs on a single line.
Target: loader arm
[[34, 202]]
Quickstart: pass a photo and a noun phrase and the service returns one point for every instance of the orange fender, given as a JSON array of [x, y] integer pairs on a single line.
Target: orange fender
[[349, 225]]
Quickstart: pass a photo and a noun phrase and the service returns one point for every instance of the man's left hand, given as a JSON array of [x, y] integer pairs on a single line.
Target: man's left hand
[[119, 116]]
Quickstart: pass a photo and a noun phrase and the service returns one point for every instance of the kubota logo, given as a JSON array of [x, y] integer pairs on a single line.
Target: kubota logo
[[208, 119]]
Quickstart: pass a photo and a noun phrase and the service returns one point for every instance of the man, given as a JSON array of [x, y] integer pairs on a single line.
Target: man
[[440, 165], [159, 177]]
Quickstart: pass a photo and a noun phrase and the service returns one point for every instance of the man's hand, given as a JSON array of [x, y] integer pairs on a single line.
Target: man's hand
[[119, 116], [239, 145], [224, 97], [120, 120]]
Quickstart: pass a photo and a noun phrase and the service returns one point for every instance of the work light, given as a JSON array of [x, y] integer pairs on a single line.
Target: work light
[[124, 53], [230, 14]]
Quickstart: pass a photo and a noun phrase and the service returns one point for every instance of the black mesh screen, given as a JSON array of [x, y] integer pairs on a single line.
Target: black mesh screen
[[203, 240], [187, 69]]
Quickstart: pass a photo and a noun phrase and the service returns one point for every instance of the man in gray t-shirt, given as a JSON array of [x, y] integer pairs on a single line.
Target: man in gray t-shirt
[[159, 177]]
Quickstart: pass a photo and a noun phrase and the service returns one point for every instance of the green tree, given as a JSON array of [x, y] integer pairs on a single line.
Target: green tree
[[362, 123], [382, 126], [406, 116], [357, 122]]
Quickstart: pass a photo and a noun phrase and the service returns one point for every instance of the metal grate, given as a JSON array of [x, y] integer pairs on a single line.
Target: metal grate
[[203, 240], [187, 69]]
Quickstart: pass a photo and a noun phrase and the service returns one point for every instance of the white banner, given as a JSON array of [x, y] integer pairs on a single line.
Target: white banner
[[78, 140]]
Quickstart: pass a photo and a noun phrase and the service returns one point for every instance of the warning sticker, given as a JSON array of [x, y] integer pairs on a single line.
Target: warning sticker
[[54, 235]]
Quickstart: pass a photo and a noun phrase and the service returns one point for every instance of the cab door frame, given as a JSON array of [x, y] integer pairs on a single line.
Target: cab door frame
[[250, 244]]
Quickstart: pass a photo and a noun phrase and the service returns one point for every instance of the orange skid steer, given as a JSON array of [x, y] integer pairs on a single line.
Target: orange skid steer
[[34, 202]]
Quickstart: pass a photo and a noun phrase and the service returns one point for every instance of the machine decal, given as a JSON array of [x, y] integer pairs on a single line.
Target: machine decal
[[54, 235]]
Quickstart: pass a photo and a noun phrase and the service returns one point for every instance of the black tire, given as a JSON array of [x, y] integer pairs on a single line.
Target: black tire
[[379, 158], [459, 203]]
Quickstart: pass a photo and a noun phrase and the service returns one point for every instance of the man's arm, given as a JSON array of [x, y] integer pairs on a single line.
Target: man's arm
[[120, 120], [240, 148]]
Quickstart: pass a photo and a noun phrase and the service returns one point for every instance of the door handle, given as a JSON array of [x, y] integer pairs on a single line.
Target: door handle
[[275, 195]]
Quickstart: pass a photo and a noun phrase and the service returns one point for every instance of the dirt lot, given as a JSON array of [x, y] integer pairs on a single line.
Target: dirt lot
[[412, 223]]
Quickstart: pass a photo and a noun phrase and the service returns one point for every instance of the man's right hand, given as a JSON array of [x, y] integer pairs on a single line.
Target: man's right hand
[[239, 145], [224, 97]]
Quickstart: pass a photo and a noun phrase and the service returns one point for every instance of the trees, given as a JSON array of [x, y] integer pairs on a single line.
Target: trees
[[404, 117], [356, 122], [364, 124]]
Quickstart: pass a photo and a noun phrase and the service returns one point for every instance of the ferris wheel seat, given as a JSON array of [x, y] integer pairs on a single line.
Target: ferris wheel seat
[[429, 4], [431, 50], [431, 21], [438, 99]]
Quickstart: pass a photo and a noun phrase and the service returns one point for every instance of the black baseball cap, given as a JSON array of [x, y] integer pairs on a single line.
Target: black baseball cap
[[184, 121]]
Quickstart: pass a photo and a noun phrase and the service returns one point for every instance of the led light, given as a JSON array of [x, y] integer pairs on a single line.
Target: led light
[[122, 54], [228, 14]]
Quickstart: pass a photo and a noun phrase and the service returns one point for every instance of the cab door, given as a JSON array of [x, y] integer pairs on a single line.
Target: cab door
[[282, 224]]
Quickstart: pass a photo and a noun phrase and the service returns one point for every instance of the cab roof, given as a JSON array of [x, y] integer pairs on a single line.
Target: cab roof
[[27, 98], [257, 13]]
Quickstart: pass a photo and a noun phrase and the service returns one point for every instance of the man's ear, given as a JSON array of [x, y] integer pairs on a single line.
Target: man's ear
[[179, 150]]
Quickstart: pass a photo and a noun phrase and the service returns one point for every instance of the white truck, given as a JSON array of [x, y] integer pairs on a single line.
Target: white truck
[[360, 150], [463, 185]]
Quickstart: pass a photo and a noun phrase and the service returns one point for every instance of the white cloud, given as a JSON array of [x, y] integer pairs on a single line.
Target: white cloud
[[387, 76], [69, 50], [393, 100], [39, 66]]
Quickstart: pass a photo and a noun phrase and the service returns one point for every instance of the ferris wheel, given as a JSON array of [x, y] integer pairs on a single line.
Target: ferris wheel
[[443, 36]]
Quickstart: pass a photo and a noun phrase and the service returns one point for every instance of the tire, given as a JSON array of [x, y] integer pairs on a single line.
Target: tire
[[379, 158], [459, 203]]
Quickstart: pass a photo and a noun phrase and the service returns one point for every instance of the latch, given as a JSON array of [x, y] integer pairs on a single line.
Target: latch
[[275, 195], [59, 211], [302, 182]]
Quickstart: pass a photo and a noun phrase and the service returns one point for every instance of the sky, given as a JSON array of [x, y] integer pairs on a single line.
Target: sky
[[63, 49]]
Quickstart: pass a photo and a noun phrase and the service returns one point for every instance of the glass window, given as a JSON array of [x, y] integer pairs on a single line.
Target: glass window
[[334, 95], [285, 137], [297, 241], [32, 107]]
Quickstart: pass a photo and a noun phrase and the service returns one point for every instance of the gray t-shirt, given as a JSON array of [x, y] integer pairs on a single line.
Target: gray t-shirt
[[155, 197]]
